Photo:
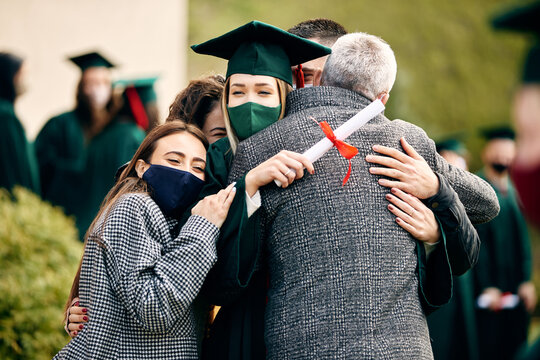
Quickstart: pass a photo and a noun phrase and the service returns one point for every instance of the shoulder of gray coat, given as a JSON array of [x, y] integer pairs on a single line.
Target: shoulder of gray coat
[[417, 138]]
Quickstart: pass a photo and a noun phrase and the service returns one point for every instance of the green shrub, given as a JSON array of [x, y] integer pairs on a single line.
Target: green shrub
[[39, 255]]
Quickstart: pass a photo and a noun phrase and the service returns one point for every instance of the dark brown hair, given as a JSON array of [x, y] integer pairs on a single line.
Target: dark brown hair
[[326, 30], [84, 111], [129, 182], [196, 101]]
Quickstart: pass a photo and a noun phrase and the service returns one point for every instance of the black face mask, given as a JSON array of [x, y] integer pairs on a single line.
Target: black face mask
[[499, 168], [172, 189]]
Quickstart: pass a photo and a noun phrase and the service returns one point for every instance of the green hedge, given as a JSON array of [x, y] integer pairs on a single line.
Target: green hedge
[[39, 255]]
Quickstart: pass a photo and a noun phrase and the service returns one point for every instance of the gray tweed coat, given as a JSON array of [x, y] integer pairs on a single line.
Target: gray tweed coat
[[343, 282], [140, 284]]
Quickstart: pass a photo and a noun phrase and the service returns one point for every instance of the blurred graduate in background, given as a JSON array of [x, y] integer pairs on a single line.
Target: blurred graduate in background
[[139, 101], [453, 150], [526, 111], [18, 165], [452, 328], [503, 284], [79, 151]]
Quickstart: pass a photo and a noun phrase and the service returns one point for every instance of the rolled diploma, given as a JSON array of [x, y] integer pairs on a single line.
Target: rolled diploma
[[315, 152]]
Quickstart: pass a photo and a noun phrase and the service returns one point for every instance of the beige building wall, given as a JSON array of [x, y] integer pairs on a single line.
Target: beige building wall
[[144, 37]]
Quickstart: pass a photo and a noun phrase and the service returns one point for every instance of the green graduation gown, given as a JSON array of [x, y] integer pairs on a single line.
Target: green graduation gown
[[18, 164], [77, 174], [236, 282], [505, 263], [453, 327], [107, 151]]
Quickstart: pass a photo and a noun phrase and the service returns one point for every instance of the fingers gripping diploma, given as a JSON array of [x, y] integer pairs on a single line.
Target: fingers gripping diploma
[[285, 167], [411, 172]]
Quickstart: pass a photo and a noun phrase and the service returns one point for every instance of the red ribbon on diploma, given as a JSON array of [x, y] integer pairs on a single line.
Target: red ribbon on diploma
[[346, 150]]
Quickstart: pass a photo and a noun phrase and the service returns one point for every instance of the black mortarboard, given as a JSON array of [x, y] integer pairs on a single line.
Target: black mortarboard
[[498, 132], [257, 48], [453, 144], [93, 59], [525, 19]]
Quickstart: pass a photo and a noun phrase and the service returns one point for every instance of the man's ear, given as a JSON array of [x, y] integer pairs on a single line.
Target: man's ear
[[317, 77], [384, 97], [140, 167]]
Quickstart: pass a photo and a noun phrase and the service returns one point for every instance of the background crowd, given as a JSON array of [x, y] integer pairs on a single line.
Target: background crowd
[[72, 162]]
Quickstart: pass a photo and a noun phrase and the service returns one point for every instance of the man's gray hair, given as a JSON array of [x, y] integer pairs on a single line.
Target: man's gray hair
[[363, 63]]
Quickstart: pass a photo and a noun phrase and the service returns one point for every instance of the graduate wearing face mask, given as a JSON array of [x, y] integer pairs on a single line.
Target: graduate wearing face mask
[[79, 151], [258, 79], [504, 265], [257, 82]]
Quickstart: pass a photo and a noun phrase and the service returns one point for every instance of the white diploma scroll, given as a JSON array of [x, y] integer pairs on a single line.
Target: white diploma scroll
[[315, 152]]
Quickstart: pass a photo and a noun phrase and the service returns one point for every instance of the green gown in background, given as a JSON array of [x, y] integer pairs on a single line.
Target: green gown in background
[[78, 174], [61, 153], [107, 151], [505, 263], [453, 327], [18, 164]]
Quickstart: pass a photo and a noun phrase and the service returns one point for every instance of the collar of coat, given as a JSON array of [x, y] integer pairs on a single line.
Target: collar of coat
[[317, 96]]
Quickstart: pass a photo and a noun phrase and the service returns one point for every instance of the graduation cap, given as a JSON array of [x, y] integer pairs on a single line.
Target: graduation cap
[[93, 59], [143, 86], [137, 93], [257, 48], [498, 132], [525, 19], [453, 144]]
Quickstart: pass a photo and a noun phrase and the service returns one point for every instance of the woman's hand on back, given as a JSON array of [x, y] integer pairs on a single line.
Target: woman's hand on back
[[77, 317], [413, 216], [216, 207], [285, 167]]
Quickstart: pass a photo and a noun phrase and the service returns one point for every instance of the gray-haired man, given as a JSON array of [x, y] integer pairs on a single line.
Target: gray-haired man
[[343, 280]]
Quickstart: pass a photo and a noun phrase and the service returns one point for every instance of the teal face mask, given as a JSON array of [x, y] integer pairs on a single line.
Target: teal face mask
[[250, 118]]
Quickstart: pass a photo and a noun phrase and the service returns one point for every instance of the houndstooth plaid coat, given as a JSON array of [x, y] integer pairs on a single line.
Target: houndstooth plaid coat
[[140, 283], [343, 274]]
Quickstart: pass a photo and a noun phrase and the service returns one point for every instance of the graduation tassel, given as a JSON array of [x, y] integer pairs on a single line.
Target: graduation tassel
[[299, 76], [137, 107]]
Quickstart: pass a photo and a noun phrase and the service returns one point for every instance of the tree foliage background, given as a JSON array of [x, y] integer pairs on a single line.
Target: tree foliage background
[[39, 256], [456, 74]]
